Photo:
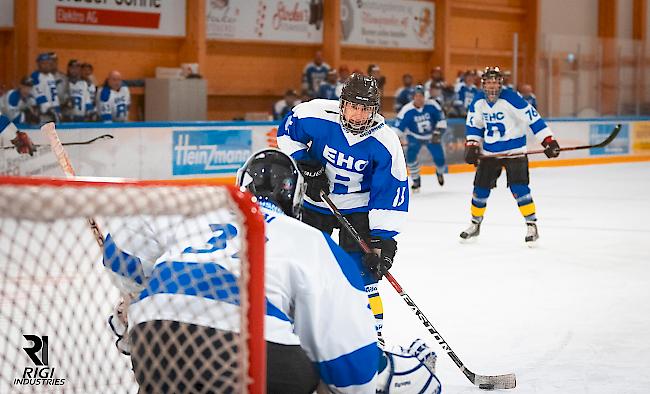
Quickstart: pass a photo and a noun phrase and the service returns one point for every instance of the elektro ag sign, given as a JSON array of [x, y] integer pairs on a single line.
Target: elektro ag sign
[[209, 151]]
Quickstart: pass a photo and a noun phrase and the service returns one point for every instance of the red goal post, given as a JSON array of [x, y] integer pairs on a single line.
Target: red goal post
[[54, 288]]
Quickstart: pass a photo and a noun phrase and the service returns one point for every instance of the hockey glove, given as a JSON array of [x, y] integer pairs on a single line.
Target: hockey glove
[[472, 151], [315, 177], [379, 264], [551, 147], [436, 137], [23, 143]]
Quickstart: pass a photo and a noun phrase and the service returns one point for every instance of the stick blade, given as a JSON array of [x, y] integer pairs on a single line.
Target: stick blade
[[499, 382], [611, 137]]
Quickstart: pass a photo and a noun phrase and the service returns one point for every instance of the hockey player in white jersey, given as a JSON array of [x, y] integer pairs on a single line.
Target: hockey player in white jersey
[[114, 99], [20, 140], [45, 92], [497, 121], [16, 103], [77, 102], [313, 292], [424, 123], [344, 148]]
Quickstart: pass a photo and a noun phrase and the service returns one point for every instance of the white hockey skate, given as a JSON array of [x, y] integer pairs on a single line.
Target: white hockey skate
[[531, 234], [471, 232]]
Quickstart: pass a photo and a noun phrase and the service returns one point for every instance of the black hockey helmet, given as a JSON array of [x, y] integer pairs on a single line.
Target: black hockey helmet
[[272, 175], [359, 90], [492, 73]]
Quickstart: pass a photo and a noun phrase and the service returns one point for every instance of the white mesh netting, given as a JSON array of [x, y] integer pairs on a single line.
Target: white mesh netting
[[178, 250]]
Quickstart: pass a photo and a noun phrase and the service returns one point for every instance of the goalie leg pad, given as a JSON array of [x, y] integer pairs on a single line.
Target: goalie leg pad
[[405, 373]]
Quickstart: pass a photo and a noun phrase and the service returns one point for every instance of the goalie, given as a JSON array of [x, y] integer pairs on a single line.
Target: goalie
[[318, 325], [21, 141]]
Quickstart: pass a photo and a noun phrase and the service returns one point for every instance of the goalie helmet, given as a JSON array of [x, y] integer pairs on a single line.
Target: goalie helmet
[[360, 98], [492, 90], [271, 175]]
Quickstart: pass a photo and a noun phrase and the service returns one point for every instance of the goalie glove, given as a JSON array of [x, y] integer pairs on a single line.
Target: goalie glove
[[119, 324], [403, 370], [23, 143]]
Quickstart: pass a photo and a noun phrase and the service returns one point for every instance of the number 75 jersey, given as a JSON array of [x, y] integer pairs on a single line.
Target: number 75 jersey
[[502, 126], [367, 171]]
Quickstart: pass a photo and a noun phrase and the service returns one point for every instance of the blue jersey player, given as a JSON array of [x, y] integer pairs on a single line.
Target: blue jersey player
[[423, 122], [496, 123], [344, 148]]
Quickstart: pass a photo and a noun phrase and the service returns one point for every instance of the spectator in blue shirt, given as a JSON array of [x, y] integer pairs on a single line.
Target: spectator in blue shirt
[[327, 89]]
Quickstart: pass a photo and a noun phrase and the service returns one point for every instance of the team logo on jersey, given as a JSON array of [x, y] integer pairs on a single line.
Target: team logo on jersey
[[493, 117], [342, 160], [209, 151]]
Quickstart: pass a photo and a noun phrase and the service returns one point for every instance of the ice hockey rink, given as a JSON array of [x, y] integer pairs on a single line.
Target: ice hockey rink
[[569, 316]]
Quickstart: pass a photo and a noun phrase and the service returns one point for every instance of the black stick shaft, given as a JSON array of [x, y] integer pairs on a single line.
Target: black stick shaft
[[418, 312], [605, 142]]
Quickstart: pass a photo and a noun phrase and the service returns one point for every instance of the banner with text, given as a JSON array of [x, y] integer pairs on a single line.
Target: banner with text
[[265, 20], [6, 13], [150, 17], [403, 24]]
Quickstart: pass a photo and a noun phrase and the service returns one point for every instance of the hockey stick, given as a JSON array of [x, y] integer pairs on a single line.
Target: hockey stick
[[486, 382], [605, 142], [64, 162], [108, 136]]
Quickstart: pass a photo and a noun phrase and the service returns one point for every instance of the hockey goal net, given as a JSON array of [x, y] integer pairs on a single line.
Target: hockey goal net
[[195, 252]]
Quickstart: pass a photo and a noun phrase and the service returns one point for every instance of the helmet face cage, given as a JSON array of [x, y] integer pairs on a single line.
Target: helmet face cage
[[490, 74], [273, 176], [357, 127], [360, 92]]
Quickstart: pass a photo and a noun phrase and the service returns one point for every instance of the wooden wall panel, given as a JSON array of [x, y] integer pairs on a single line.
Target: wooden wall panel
[[7, 59], [134, 57], [255, 69], [249, 76]]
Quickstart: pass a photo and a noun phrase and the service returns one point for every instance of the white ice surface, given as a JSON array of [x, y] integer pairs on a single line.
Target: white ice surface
[[569, 316]]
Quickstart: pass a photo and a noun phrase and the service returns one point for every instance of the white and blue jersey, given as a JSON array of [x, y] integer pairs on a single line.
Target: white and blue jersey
[[367, 171], [189, 275], [14, 106], [502, 126], [114, 104], [403, 96], [328, 91], [532, 100], [79, 99], [466, 95], [45, 92], [420, 122], [7, 125], [314, 75]]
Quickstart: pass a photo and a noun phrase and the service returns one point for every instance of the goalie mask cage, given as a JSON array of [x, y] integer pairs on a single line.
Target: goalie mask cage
[[56, 293]]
